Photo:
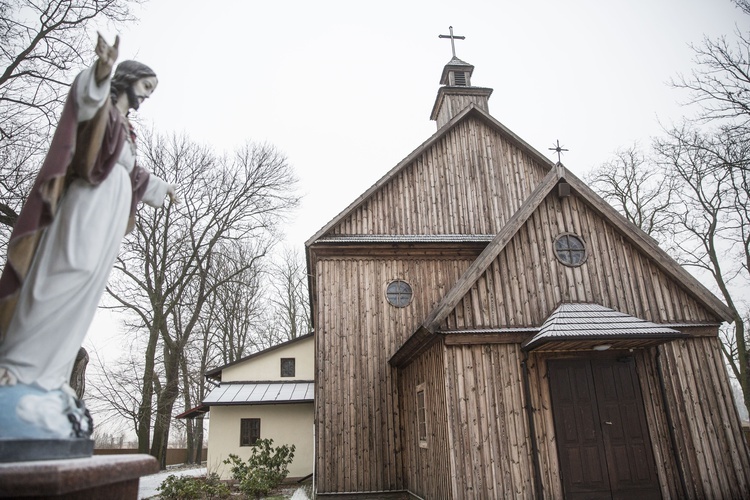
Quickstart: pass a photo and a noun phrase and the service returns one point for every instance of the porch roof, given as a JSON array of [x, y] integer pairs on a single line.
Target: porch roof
[[594, 323], [197, 412], [244, 393]]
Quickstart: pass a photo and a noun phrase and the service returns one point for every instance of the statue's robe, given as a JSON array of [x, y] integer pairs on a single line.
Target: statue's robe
[[68, 234]]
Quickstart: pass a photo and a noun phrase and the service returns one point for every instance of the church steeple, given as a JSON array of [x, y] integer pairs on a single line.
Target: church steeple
[[457, 92]]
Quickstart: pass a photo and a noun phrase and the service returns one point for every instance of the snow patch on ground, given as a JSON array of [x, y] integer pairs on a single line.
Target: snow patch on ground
[[300, 494], [147, 487]]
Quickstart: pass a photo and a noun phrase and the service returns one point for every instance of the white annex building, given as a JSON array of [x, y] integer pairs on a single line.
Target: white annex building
[[268, 395]]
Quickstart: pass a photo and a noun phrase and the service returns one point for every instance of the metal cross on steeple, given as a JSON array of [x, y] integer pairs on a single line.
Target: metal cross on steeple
[[452, 37], [558, 149]]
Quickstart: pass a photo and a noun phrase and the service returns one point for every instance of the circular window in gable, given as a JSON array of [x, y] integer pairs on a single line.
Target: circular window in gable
[[570, 250], [398, 293]]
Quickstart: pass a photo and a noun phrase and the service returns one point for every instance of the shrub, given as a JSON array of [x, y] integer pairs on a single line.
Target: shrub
[[266, 468], [214, 488], [189, 487]]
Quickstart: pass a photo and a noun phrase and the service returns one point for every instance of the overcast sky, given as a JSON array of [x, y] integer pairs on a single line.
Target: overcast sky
[[345, 88]]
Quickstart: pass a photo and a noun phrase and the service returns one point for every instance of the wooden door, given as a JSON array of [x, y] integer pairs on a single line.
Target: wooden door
[[602, 438]]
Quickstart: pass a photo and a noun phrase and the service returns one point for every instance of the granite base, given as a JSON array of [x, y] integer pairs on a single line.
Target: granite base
[[97, 477]]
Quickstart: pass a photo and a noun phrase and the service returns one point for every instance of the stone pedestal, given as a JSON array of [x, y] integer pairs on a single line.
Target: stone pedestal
[[113, 477]]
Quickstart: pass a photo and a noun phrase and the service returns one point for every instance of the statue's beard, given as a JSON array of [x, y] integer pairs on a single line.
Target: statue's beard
[[132, 98]]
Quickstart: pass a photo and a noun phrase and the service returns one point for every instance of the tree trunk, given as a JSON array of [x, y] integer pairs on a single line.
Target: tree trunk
[[144, 411], [198, 441], [165, 404], [189, 423], [78, 376]]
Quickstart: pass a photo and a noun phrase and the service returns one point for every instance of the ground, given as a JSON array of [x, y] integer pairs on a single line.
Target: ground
[[147, 488]]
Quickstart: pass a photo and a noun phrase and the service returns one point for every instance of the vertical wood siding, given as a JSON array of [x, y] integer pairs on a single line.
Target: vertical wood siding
[[454, 104], [526, 281], [358, 441], [428, 471], [487, 423], [470, 182], [711, 447], [544, 426]]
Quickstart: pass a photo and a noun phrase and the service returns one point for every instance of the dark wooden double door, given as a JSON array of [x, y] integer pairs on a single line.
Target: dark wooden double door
[[602, 437]]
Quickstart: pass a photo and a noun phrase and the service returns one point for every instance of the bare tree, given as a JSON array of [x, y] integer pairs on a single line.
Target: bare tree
[[711, 227], [115, 388], [239, 306], [642, 193], [701, 179], [290, 296], [167, 274], [42, 42]]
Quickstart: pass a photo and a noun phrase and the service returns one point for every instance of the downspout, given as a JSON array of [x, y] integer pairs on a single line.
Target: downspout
[[532, 428], [670, 422], [315, 458]]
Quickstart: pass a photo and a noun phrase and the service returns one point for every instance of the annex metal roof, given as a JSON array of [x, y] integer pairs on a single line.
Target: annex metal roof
[[243, 393], [595, 322]]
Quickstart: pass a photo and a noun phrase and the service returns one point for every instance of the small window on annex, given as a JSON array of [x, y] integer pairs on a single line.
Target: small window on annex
[[570, 250], [249, 431], [398, 293], [421, 417], [287, 367]]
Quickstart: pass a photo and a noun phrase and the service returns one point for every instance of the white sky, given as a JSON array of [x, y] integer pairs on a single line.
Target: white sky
[[345, 88]]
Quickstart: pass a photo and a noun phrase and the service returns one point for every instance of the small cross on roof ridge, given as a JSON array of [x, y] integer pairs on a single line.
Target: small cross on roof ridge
[[558, 149]]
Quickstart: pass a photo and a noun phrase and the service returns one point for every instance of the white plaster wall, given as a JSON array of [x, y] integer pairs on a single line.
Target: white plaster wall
[[285, 424], [267, 366]]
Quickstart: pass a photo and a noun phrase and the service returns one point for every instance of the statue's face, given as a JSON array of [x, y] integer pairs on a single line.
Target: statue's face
[[142, 90]]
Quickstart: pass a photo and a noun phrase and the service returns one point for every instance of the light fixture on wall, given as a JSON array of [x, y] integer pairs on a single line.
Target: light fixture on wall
[[602, 347]]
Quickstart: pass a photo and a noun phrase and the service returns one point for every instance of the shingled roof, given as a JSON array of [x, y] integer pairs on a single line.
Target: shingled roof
[[594, 322]]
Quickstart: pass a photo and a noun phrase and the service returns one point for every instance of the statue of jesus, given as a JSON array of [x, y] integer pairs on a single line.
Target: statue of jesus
[[62, 250]]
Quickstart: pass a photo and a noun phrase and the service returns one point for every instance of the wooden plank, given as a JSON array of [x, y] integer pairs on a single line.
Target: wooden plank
[[475, 392], [529, 285], [547, 258], [453, 339], [593, 257], [544, 425], [520, 451], [580, 273], [542, 307], [458, 420]]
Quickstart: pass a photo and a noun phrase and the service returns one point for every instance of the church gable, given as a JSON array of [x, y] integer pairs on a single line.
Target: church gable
[[469, 179], [527, 281]]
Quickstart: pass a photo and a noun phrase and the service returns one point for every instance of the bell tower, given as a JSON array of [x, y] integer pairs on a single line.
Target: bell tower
[[457, 92]]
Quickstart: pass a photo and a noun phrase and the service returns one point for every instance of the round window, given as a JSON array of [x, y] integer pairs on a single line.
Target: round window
[[398, 293], [570, 250]]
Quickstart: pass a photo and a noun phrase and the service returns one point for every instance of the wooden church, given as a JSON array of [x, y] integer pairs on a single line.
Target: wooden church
[[486, 326]]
